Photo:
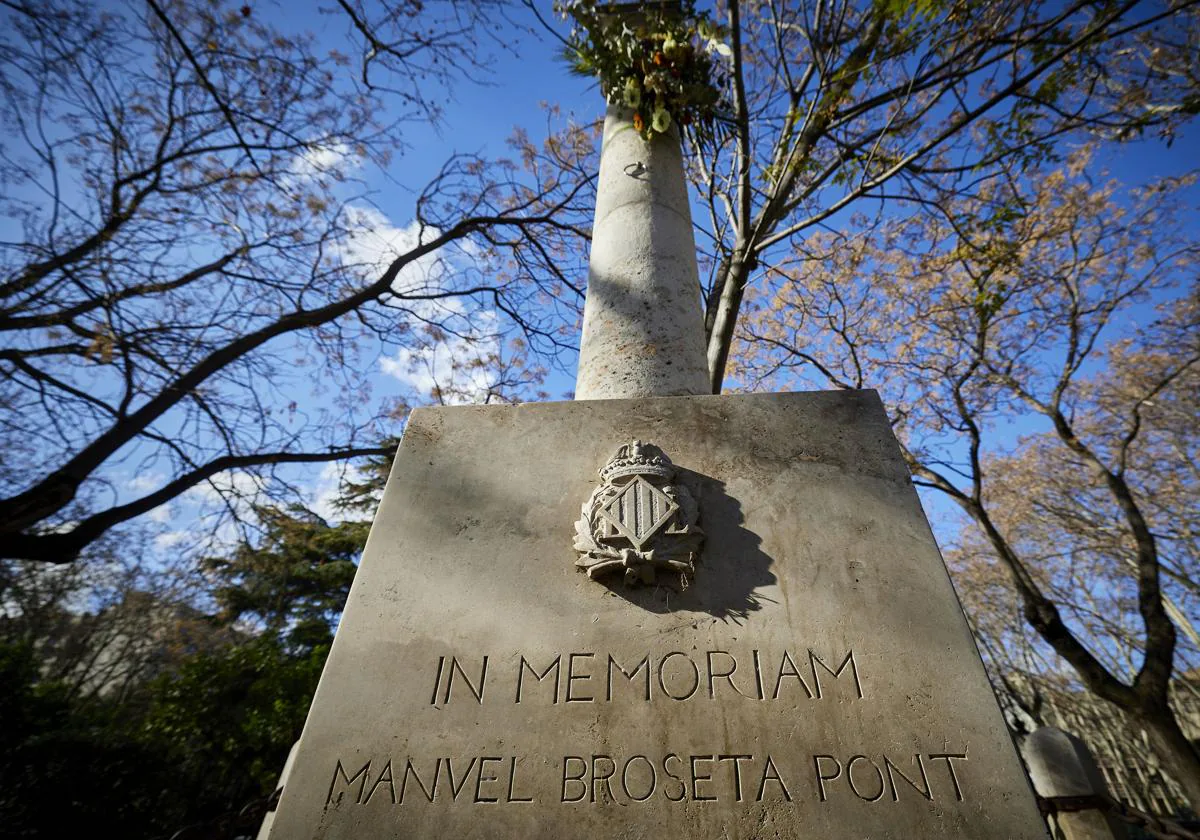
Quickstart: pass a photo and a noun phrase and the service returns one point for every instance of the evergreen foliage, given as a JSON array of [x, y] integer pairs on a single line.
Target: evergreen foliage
[[188, 748]]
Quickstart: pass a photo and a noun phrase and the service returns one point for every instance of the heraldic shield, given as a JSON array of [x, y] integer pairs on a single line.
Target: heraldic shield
[[637, 522]]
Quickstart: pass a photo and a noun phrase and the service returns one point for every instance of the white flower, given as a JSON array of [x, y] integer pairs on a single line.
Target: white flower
[[633, 92], [661, 120], [720, 48]]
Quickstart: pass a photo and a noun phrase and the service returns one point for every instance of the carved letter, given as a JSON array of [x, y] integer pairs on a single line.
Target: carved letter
[[890, 768], [854, 787], [455, 789], [714, 675], [385, 776], [577, 779], [625, 779], [949, 759], [629, 675], [481, 778], [612, 768], [815, 660], [556, 665], [679, 781], [349, 780], [821, 777], [696, 796], [476, 690], [662, 676], [437, 680], [572, 677], [429, 792], [512, 782], [737, 771], [771, 774], [787, 668]]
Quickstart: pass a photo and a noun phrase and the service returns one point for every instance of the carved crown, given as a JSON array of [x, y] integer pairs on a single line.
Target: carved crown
[[638, 458]]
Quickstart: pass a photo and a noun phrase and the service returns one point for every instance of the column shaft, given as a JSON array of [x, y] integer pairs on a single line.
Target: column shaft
[[643, 334]]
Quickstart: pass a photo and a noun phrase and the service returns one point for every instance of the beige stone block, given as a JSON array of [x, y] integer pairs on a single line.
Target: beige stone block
[[816, 680]]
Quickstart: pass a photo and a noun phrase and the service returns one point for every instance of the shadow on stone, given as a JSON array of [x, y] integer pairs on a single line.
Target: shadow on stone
[[731, 570]]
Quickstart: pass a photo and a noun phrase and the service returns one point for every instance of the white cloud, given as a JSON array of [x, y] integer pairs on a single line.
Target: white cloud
[[228, 485], [169, 539], [445, 365], [325, 492], [375, 243], [421, 369], [146, 481], [319, 160], [450, 367], [162, 513]]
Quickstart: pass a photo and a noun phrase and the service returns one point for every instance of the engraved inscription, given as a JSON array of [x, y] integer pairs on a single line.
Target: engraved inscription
[[869, 777], [572, 681], [453, 672], [485, 779], [676, 675], [599, 778]]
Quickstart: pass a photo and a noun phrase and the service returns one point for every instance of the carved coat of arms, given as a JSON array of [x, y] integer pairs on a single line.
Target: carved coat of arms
[[637, 522]]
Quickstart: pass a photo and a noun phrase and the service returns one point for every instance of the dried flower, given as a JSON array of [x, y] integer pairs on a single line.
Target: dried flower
[[657, 82], [667, 63]]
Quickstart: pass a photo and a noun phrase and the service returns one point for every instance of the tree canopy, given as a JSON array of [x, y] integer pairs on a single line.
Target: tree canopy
[[185, 261]]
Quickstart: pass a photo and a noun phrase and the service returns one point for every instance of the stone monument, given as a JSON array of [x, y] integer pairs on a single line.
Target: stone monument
[[651, 613], [1062, 767]]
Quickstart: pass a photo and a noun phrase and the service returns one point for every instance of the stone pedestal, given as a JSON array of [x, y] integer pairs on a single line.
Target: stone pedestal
[[816, 678]]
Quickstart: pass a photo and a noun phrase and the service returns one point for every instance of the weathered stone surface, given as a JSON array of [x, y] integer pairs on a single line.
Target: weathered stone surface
[[817, 679], [1061, 765], [642, 331]]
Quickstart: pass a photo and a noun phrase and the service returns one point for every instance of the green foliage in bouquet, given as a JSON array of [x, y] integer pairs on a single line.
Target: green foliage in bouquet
[[663, 61]]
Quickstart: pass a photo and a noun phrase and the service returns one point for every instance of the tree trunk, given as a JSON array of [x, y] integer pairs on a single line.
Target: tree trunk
[[1180, 757]]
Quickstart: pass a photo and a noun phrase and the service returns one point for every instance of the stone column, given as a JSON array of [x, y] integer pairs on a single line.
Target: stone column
[[1062, 765], [643, 334]]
